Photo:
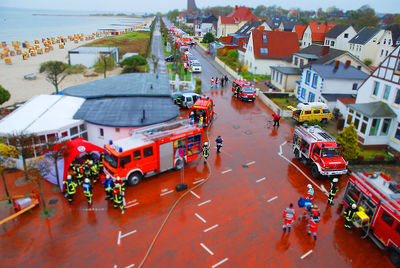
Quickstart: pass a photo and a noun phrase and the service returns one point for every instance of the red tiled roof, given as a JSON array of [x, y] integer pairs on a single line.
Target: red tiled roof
[[238, 15], [299, 29], [349, 100], [279, 44], [318, 30]]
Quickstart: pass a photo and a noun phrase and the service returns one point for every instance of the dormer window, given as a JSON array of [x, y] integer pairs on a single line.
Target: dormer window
[[265, 39]]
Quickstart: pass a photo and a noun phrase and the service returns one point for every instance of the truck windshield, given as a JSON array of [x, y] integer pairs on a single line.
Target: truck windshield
[[111, 160], [331, 152], [248, 89]]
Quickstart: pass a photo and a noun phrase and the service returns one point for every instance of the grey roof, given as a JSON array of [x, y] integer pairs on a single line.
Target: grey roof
[[127, 111], [364, 35], [334, 97], [125, 85], [93, 50], [327, 71], [317, 50], [395, 29], [307, 56], [336, 31], [245, 30], [209, 19], [289, 25], [373, 109], [287, 70]]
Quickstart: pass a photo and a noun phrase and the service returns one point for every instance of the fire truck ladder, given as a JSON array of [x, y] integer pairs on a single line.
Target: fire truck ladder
[[164, 130]]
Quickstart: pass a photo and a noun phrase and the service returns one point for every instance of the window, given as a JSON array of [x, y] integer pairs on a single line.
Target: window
[[296, 60], [355, 86], [82, 127], [374, 127], [315, 81], [316, 111], [349, 118], [381, 52], [387, 218], [317, 150], [308, 77], [356, 122], [147, 151], [386, 93], [264, 50], [280, 79], [397, 135], [387, 52], [332, 43], [84, 135], [42, 139], [194, 144], [301, 63], [385, 126], [397, 98], [326, 111], [398, 66], [307, 112], [64, 134], [303, 93], [101, 132], [137, 155], [311, 97], [124, 160], [346, 35], [265, 39], [376, 88], [73, 131], [363, 127], [117, 129], [52, 137]]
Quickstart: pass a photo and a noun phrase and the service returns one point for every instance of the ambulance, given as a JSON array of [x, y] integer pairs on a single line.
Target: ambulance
[[152, 150], [309, 111], [203, 107], [243, 90]]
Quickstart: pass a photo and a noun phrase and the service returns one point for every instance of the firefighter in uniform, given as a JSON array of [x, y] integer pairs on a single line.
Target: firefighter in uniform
[[109, 187], [313, 227], [70, 187], [289, 215], [88, 190], [86, 169], [310, 192], [179, 101], [333, 191], [118, 197], [100, 163], [79, 174], [94, 171], [206, 151], [348, 216]]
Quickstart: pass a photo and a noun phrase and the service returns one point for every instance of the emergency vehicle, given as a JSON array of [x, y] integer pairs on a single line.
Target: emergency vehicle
[[378, 203], [243, 90], [318, 148], [204, 107], [151, 150], [308, 111]]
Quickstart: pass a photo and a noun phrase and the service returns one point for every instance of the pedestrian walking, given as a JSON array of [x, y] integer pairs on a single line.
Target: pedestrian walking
[[276, 119], [313, 227], [212, 82], [310, 192], [222, 81], [70, 188], [86, 169], [289, 214], [118, 198], [348, 216], [226, 80], [216, 82], [333, 191], [206, 151], [219, 142], [88, 190], [109, 187]]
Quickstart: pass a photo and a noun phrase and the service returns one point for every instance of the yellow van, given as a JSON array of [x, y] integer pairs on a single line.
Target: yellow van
[[308, 111]]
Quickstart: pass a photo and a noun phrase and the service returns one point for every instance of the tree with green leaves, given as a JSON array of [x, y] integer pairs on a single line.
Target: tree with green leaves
[[104, 63], [154, 59], [208, 38], [132, 63], [55, 72], [368, 62], [348, 139], [173, 14], [4, 95], [7, 155]]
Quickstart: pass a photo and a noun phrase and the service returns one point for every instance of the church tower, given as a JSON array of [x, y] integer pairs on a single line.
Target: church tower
[[191, 5]]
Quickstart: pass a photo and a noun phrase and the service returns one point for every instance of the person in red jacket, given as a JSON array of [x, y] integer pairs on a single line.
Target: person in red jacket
[[289, 215], [313, 227], [276, 119]]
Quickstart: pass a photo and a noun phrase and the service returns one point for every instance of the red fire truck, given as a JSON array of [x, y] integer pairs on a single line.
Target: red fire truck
[[243, 90], [378, 201], [318, 148], [204, 106], [151, 150]]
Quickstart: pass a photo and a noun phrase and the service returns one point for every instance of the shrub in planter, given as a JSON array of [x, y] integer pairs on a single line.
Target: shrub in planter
[[379, 158], [360, 158], [396, 157]]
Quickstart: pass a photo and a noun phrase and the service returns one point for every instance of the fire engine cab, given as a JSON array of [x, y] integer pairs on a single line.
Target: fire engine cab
[[378, 203], [151, 150], [204, 106], [318, 148], [243, 90]]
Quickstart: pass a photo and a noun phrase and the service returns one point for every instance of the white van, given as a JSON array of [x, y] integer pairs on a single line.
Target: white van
[[195, 66]]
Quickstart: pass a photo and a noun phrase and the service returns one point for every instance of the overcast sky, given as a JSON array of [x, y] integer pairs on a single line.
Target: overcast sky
[[380, 6]]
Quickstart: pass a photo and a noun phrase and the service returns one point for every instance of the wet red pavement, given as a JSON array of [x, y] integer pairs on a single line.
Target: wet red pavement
[[234, 219]]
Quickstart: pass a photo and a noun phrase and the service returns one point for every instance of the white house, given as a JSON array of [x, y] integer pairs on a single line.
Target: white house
[[376, 113], [234, 21], [327, 82], [339, 36], [88, 56], [315, 32]]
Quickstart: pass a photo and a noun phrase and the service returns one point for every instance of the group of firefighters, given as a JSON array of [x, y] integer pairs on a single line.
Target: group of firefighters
[[87, 174], [312, 210]]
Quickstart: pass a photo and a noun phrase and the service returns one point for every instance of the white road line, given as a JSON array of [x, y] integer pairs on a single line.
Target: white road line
[[206, 248], [134, 231], [193, 193], [170, 191], [198, 216], [195, 182], [323, 188], [219, 263], [272, 199], [132, 205], [212, 227], [115, 266], [299, 169], [305, 255], [205, 202], [132, 201], [164, 190], [130, 266], [119, 238], [261, 179], [251, 163], [226, 171]]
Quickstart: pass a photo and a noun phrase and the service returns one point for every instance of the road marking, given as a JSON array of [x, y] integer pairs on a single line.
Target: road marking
[[195, 182], [170, 191], [93, 209], [193, 193], [272, 199], [212, 227], [305, 255], [132, 201], [226, 171], [132, 205], [260, 179], [218, 263], [206, 248], [323, 188], [130, 266], [205, 202], [299, 169], [164, 190], [115, 266], [251, 163], [198, 216], [121, 236]]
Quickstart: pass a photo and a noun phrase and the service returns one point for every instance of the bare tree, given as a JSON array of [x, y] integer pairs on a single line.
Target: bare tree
[[104, 63], [55, 72]]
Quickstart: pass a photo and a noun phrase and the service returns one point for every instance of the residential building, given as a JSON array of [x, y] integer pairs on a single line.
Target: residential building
[[234, 21], [285, 78], [376, 113], [339, 36], [205, 25], [288, 26], [315, 32], [327, 82], [88, 56], [268, 48], [395, 29], [299, 29]]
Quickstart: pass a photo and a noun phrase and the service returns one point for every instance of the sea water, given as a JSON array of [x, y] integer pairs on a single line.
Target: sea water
[[30, 24]]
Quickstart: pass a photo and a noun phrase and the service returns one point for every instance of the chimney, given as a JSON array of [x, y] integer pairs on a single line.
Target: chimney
[[262, 28], [337, 64], [348, 62], [325, 50]]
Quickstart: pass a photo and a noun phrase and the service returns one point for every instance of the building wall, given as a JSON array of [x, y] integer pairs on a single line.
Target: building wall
[[385, 46], [101, 138], [307, 38], [341, 86], [353, 62], [284, 82], [341, 42], [85, 59], [225, 29]]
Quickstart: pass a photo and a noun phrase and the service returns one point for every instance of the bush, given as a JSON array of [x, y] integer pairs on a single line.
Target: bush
[[348, 138], [232, 54], [132, 63], [198, 86], [76, 69], [208, 38], [4, 95]]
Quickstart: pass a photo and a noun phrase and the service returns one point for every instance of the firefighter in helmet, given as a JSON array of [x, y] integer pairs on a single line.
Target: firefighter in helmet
[[94, 171], [118, 196], [333, 191], [348, 216], [109, 187], [310, 192], [70, 187], [206, 151], [88, 190]]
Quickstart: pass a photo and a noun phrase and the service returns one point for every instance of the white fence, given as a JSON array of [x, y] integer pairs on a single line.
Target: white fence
[[275, 108]]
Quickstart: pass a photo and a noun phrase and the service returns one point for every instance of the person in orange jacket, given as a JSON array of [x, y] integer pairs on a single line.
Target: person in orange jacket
[[313, 227], [289, 214], [276, 119]]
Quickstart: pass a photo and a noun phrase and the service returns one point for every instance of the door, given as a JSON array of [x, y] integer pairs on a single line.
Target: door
[[179, 145], [166, 159]]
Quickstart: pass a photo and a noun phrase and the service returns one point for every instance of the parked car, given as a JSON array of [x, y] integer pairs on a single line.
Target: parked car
[[170, 58], [188, 98], [195, 66]]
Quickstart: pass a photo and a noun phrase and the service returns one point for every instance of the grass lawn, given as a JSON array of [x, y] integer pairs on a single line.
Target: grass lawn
[[370, 154], [181, 72], [250, 77], [129, 42], [284, 102]]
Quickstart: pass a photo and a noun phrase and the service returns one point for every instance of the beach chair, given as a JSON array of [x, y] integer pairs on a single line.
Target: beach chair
[[60, 45], [7, 60], [51, 47], [12, 53], [25, 56], [18, 51], [46, 49], [39, 51]]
